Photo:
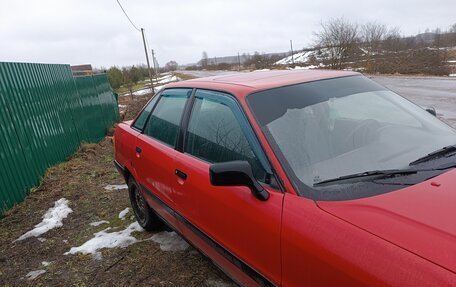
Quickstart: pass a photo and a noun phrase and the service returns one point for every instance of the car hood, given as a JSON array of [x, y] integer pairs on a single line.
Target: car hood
[[419, 218]]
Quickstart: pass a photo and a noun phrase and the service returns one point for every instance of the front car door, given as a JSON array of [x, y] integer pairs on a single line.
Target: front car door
[[237, 230]]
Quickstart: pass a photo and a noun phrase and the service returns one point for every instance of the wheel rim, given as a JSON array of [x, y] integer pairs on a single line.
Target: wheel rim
[[139, 205]]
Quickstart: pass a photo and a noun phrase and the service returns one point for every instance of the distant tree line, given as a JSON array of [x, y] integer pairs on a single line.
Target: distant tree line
[[130, 76], [375, 48], [369, 47]]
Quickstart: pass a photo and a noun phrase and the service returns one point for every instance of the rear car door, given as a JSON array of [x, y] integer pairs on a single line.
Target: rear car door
[[231, 225], [155, 150]]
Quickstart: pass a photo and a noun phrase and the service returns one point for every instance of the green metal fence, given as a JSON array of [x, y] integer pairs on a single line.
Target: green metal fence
[[45, 113]]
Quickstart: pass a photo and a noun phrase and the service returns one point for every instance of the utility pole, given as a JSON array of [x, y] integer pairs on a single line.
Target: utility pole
[[292, 57], [148, 64], [239, 62], [155, 67]]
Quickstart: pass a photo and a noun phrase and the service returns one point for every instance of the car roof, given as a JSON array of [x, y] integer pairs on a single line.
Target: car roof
[[245, 83]]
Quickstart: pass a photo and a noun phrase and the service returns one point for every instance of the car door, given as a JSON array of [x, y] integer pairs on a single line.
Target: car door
[[155, 150], [232, 226]]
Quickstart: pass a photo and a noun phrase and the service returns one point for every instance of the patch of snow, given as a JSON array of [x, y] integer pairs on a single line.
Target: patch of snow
[[45, 263], [103, 239], [452, 75], [40, 239], [51, 219], [65, 241], [142, 92], [170, 241], [167, 79], [260, 70], [123, 213], [300, 57], [34, 274], [158, 88], [116, 186], [97, 223]]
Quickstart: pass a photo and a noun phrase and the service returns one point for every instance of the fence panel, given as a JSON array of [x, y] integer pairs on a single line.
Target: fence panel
[[45, 113]]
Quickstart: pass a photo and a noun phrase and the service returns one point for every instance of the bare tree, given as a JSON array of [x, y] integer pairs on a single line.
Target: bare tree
[[338, 40], [372, 36], [171, 66], [452, 28]]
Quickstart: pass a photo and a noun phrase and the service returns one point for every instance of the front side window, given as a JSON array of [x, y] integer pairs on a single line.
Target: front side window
[[218, 133], [164, 121], [341, 127]]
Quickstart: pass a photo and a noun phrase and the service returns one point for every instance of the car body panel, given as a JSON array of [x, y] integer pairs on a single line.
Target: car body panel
[[229, 214], [320, 249], [153, 166], [414, 218]]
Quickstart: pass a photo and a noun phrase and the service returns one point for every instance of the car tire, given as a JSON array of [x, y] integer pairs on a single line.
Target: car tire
[[144, 215]]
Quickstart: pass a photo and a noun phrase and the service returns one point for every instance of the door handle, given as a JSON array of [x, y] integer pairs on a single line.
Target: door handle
[[138, 150], [181, 174]]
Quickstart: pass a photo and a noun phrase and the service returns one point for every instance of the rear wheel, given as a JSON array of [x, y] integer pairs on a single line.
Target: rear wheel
[[145, 216]]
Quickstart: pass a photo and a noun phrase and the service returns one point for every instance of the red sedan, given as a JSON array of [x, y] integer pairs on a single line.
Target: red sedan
[[297, 178]]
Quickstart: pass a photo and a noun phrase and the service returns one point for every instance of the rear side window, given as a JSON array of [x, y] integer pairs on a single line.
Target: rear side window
[[218, 133], [164, 121], [142, 118]]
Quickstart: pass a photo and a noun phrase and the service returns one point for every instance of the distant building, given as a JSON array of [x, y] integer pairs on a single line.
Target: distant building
[[82, 70]]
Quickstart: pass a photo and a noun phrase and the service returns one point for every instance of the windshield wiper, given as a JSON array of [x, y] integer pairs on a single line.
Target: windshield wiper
[[435, 154], [383, 173]]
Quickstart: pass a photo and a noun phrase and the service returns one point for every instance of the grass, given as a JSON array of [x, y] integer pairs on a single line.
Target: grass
[[185, 76], [136, 87], [81, 180]]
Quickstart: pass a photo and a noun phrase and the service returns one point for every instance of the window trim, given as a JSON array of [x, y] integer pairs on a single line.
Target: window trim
[[158, 95], [180, 123]]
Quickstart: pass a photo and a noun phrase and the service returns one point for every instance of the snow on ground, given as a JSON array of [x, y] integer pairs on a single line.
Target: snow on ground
[[51, 219], [146, 91], [45, 263], [157, 85], [141, 92], [300, 57], [97, 223], [34, 274], [103, 239], [123, 213], [116, 186], [170, 241], [452, 75], [167, 79]]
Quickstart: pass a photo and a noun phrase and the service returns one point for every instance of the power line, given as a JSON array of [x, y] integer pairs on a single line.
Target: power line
[[134, 26]]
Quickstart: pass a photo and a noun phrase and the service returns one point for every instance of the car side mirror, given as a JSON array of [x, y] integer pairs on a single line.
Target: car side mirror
[[237, 173], [431, 110]]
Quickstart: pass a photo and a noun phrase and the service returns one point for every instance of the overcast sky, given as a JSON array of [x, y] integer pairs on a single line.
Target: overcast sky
[[97, 32]]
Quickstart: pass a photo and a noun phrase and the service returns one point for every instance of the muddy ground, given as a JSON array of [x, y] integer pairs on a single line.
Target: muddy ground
[[81, 180]]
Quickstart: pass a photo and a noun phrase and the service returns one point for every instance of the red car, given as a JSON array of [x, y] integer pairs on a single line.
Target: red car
[[297, 178]]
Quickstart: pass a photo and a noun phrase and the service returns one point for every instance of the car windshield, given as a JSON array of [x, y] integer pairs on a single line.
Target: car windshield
[[331, 128]]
